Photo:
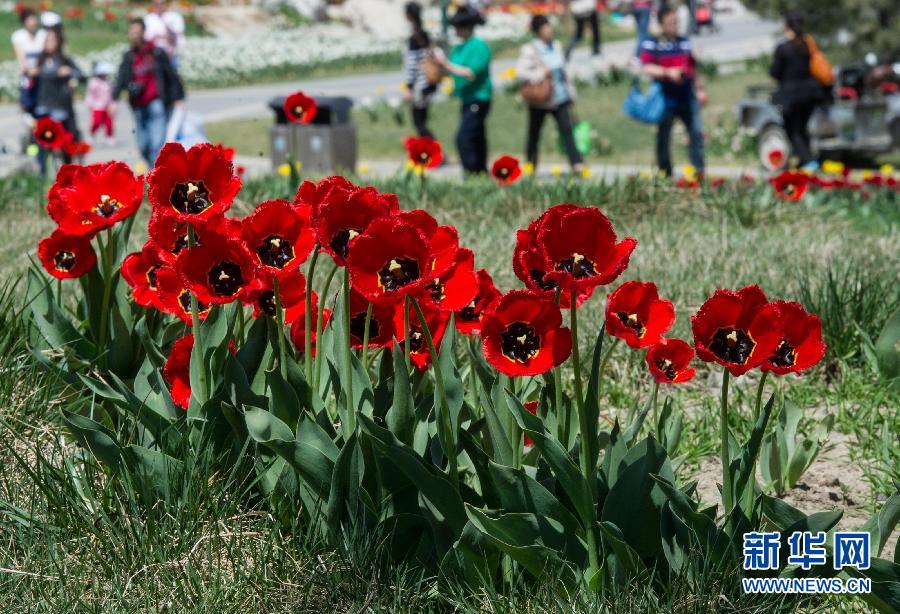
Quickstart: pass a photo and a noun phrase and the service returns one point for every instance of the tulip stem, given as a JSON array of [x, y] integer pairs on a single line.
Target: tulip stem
[[406, 340], [279, 318], [195, 327], [724, 451], [347, 363], [107, 291], [751, 483], [320, 322], [307, 320], [241, 324], [365, 345], [563, 414], [654, 395], [587, 435], [444, 410]]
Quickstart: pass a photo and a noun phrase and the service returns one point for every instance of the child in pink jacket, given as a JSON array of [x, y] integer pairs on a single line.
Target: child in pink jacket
[[98, 98]]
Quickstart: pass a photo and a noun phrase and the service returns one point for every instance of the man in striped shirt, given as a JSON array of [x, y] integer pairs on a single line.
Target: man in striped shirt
[[670, 60]]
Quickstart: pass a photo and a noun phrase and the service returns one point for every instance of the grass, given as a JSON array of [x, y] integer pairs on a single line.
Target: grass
[[381, 129], [75, 541]]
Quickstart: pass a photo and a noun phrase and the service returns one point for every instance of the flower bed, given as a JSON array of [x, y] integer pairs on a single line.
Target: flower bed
[[400, 401]]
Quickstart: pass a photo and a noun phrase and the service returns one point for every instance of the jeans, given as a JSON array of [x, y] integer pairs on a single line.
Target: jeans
[[420, 121], [689, 113], [796, 124], [642, 21], [150, 129], [564, 125], [580, 22], [471, 140]]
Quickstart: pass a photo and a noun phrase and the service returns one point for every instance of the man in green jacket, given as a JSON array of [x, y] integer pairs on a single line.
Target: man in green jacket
[[470, 66]]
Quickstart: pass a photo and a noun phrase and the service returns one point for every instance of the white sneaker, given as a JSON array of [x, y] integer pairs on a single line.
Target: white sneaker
[[110, 141]]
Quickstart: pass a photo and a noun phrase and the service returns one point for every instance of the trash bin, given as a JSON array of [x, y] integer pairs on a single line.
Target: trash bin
[[327, 144]]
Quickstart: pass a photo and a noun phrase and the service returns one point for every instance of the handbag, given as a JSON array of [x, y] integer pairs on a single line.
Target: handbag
[[819, 66], [433, 71], [646, 107], [536, 93]]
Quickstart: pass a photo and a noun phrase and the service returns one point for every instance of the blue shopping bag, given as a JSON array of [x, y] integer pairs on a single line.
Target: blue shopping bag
[[645, 106]]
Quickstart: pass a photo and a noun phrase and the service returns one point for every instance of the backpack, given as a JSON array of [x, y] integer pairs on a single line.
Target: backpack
[[819, 66]]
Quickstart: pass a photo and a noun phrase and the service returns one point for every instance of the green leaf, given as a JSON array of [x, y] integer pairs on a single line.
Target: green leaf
[[635, 500], [887, 346], [885, 577], [622, 561], [592, 401], [346, 480], [96, 438], [55, 329], [742, 467], [519, 492], [521, 538], [431, 483], [157, 471], [237, 386], [309, 454], [882, 524], [453, 384], [496, 414], [401, 416], [283, 401], [566, 472]]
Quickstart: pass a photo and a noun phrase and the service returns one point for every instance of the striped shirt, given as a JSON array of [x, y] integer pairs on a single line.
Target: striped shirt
[[669, 53], [419, 47]]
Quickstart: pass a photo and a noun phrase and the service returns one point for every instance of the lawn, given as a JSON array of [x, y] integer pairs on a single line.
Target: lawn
[[78, 539], [619, 140]]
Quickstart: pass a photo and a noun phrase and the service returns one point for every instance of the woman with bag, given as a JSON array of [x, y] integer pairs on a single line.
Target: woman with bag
[[799, 92], [546, 89], [418, 88]]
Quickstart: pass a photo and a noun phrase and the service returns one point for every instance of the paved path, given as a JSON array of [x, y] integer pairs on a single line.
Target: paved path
[[741, 36]]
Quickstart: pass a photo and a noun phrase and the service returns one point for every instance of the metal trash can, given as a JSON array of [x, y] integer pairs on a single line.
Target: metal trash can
[[327, 144]]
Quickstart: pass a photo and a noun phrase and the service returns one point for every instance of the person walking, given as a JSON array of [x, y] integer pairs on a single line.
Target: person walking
[[798, 92], [153, 89], [541, 62], [164, 27], [56, 76], [586, 15], [670, 60], [418, 91], [28, 43], [98, 98], [641, 10], [470, 65]]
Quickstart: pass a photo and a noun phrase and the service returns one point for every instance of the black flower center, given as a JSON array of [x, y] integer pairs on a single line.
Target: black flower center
[[436, 291], [190, 197], [503, 171], [340, 242], [107, 206], [275, 252], [539, 277], [181, 242], [151, 276], [64, 261], [519, 342], [299, 111], [732, 345], [184, 299], [398, 273], [784, 356], [668, 368], [416, 340], [632, 321], [225, 278], [469, 313], [266, 302], [358, 326], [577, 265], [48, 135], [424, 157]]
